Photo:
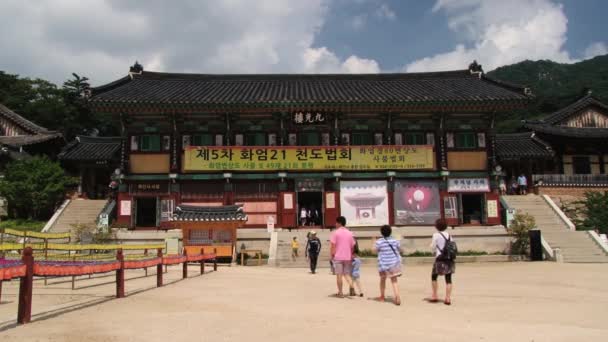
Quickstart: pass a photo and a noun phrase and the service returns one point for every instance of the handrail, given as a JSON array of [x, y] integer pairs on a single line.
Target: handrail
[[38, 235], [570, 180], [106, 214], [76, 247]]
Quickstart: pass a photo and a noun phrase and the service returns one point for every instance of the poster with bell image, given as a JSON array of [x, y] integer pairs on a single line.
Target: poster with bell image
[[416, 202]]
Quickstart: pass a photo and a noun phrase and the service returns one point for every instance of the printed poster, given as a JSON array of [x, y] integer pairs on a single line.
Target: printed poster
[[364, 203], [416, 203], [125, 208]]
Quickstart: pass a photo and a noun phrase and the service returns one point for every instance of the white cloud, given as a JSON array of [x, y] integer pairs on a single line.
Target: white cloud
[[385, 12], [500, 32], [321, 60], [100, 39], [595, 49]]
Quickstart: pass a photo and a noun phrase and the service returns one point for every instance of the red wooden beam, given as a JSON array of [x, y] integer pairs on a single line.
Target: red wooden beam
[[24, 312]]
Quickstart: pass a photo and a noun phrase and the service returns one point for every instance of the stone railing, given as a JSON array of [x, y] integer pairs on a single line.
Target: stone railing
[[570, 180]]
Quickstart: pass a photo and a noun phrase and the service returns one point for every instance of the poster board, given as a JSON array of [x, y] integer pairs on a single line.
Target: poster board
[[364, 203], [416, 202]]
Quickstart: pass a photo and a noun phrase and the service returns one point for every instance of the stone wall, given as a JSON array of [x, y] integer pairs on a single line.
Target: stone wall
[[568, 191]]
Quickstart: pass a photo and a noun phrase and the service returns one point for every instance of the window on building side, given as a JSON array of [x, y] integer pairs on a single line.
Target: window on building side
[[465, 140], [255, 139], [166, 142], [149, 143], [238, 140], [415, 138], [202, 140], [293, 139], [362, 138], [185, 141], [345, 139], [134, 143], [430, 139], [481, 139], [581, 165], [310, 139]]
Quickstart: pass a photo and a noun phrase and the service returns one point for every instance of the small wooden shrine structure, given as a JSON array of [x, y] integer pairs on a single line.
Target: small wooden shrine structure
[[209, 227]]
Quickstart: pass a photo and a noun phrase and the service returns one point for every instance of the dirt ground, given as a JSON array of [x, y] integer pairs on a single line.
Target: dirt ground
[[491, 302]]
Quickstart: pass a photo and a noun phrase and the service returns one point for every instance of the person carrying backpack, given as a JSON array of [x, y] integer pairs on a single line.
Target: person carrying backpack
[[445, 250]]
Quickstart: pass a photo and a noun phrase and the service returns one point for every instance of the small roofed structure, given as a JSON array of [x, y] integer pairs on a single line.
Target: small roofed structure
[[211, 228]]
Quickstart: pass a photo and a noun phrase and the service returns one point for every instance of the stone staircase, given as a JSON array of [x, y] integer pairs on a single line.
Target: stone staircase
[[283, 256], [77, 212], [575, 246]]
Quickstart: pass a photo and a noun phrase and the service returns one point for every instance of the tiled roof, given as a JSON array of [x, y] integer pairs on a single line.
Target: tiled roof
[[24, 140], [22, 122], [209, 214], [85, 148], [582, 103], [571, 132], [521, 145], [284, 90]]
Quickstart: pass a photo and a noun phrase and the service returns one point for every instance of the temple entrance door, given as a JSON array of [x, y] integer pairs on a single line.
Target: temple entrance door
[[146, 208], [310, 208], [472, 208]]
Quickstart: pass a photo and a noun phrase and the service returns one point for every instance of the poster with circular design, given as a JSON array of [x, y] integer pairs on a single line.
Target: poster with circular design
[[416, 202]]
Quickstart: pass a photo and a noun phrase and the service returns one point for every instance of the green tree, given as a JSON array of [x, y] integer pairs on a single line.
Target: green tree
[[519, 228], [592, 212], [33, 187]]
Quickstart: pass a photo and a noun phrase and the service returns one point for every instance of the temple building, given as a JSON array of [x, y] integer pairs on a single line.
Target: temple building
[[565, 149], [293, 149]]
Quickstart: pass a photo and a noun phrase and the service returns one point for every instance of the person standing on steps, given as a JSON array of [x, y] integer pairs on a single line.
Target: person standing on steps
[[313, 249], [342, 248], [522, 183]]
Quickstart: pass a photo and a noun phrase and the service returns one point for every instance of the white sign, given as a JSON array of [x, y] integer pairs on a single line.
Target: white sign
[[330, 200], [468, 185], [287, 201], [364, 203], [125, 208], [492, 208], [270, 224]]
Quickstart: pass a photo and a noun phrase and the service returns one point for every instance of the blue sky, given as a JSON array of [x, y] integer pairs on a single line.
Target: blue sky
[[100, 39], [417, 31]]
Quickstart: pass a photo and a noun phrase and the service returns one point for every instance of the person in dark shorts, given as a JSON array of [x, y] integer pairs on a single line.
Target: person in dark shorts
[[441, 267], [313, 248]]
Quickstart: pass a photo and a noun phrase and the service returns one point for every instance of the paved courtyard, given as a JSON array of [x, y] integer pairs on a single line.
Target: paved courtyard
[[492, 302]]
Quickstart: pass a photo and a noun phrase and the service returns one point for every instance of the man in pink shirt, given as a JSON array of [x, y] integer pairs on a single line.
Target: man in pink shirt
[[342, 247]]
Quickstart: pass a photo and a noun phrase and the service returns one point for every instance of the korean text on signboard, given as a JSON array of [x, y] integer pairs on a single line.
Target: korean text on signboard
[[468, 185], [309, 118], [240, 158]]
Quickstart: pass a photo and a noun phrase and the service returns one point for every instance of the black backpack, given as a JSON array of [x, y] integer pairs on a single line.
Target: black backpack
[[449, 251]]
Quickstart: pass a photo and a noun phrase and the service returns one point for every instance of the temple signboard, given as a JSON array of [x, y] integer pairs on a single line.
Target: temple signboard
[[309, 118], [346, 158]]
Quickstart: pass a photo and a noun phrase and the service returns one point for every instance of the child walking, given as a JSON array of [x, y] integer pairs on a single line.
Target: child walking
[[294, 248], [389, 262], [356, 273]]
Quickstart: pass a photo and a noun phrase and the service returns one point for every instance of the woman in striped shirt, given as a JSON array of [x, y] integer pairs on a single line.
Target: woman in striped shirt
[[389, 262]]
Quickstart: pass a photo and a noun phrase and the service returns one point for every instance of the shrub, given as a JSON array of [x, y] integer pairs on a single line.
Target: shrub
[[593, 212], [33, 187], [521, 224]]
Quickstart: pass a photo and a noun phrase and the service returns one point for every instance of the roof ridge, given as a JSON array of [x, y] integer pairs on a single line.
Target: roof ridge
[[22, 122]]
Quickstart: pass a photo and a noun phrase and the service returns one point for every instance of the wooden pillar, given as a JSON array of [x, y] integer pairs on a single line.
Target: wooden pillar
[[185, 265], [159, 269], [24, 312], [120, 275], [146, 254], [202, 263], [215, 259]]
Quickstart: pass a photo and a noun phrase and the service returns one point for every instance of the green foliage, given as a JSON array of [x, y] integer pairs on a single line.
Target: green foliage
[[554, 85], [20, 224], [33, 187], [592, 212], [521, 224], [62, 109]]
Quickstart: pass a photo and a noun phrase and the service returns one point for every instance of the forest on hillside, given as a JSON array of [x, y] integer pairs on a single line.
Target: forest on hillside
[[554, 85], [62, 108]]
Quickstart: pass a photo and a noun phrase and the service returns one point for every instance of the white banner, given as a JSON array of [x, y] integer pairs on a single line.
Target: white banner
[[364, 203], [468, 185]]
